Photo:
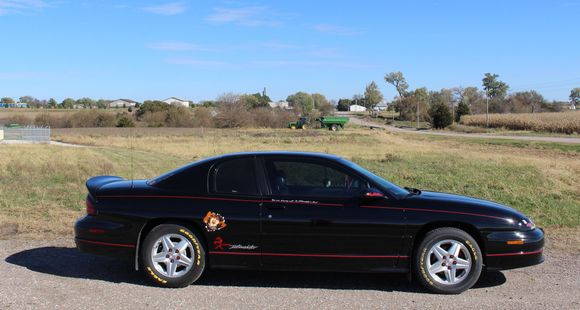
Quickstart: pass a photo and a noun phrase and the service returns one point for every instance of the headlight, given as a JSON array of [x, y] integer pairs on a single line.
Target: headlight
[[526, 224]]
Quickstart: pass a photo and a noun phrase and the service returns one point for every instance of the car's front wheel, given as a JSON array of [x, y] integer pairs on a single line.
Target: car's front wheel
[[173, 256], [448, 261]]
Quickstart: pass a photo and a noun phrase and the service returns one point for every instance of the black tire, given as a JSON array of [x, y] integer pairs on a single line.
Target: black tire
[[437, 283], [194, 251], [333, 127]]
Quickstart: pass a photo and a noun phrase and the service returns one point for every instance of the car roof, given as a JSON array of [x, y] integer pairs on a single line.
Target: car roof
[[280, 154]]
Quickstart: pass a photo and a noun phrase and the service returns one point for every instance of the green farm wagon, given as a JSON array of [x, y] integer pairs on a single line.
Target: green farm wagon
[[333, 123]]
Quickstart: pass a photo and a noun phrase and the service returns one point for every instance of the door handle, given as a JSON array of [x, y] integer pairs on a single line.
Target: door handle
[[276, 207]]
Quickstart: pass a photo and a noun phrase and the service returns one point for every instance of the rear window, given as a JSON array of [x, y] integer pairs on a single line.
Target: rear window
[[236, 176]]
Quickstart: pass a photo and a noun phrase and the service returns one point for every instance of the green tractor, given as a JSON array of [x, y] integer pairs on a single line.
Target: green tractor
[[302, 123]]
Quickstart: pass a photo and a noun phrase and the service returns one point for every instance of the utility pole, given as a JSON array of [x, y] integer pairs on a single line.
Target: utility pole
[[487, 108], [417, 117]]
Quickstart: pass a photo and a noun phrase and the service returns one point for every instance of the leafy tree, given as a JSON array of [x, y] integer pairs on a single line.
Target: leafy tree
[[301, 101], [358, 99], [102, 104], [526, 101], [52, 103], [343, 104], [373, 95], [439, 111], [251, 101], [263, 100], [125, 121], [319, 100], [152, 106], [7, 100], [27, 99], [397, 79], [207, 103], [575, 96], [68, 103], [462, 109], [494, 87], [86, 102]]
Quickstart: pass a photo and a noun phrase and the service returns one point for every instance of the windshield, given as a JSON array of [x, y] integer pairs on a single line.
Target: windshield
[[393, 189]]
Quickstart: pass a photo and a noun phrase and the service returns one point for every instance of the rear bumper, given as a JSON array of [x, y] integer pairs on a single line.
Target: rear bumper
[[102, 238], [501, 255]]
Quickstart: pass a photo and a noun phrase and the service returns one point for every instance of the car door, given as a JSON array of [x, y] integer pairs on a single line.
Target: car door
[[231, 220], [311, 219]]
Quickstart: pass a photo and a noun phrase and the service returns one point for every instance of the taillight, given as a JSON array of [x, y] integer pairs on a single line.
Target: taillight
[[90, 207]]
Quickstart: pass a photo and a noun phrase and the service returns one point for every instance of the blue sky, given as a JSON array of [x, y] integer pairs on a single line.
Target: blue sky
[[200, 49]]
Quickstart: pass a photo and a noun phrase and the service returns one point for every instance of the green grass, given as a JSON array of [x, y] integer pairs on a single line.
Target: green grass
[[518, 186], [42, 187]]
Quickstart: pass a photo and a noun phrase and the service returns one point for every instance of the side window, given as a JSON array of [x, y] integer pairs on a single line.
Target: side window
[[296, 178], [235, 176]]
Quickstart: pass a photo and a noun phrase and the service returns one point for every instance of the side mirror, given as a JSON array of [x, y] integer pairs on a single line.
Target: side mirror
[[372, 194]]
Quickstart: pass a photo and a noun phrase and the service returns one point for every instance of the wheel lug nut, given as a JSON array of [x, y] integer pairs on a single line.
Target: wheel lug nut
[[176, 251], [454, 262], [167, 256], [443, 264], [178, 257], [172, 261], [444, 257], [169, 251], [450, 256]]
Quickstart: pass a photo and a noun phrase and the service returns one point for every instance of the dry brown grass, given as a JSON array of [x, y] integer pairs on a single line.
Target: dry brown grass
[[557, 122]]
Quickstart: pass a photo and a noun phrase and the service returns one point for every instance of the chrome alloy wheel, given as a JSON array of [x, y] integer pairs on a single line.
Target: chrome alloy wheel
[[172, 255], [448, 262]]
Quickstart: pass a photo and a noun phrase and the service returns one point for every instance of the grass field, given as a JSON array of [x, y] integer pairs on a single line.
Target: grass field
[[42, 187]]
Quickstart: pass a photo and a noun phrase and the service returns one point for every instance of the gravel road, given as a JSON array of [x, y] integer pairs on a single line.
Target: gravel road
[[362, 122], [53, 274]]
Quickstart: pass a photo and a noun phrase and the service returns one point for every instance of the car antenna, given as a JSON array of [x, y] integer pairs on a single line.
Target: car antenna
[[131, 150]]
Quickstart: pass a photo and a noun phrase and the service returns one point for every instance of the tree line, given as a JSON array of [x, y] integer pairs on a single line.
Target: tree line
[[442, 107]]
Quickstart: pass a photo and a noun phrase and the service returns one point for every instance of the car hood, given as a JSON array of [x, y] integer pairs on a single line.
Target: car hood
[[464, 203]]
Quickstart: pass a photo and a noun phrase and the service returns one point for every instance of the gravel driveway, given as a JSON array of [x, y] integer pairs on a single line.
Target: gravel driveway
[[53, 274], [363, 122]]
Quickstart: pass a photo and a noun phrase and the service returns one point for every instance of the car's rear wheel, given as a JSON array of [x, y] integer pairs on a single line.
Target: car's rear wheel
[[173, 256], [447, 261]]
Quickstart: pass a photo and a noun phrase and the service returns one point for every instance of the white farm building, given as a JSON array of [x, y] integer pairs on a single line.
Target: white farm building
[[356, 108], [177, 102]]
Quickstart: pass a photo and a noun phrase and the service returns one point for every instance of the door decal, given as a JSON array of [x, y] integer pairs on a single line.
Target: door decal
[[219, 244], [214, 221]]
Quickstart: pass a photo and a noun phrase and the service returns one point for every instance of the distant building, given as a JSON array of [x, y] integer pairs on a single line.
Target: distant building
[[382, 106], [279, 104], [122, 103], [177, 102], [14, 105], [356, 108]]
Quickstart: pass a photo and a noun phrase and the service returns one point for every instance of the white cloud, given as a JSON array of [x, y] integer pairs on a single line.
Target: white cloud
[[21, 6], [177, 46], [173, 8], [336, 30], [244, 16]]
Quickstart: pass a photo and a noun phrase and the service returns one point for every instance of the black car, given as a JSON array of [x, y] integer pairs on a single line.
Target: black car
[[300, 211]]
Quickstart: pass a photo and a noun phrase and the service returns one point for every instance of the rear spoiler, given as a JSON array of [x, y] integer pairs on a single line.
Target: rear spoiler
[[93, 184]]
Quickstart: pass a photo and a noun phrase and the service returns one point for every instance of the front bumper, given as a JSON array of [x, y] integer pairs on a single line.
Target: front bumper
[[501, 256]]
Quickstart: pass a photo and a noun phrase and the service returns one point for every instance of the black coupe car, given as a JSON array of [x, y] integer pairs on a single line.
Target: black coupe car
[[300, 211]]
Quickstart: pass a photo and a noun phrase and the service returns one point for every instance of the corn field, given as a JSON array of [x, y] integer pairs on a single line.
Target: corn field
[[557, 122]]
